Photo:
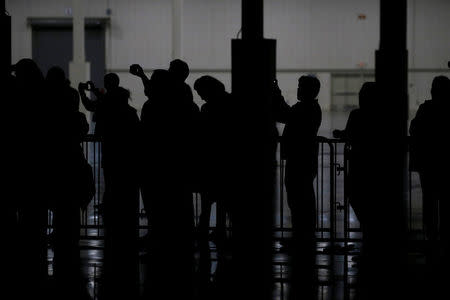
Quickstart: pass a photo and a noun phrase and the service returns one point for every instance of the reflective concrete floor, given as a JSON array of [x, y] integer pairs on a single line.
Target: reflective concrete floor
[[336, 270], [336, 265]]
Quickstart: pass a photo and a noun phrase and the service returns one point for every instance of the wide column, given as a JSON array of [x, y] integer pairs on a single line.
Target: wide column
[[385, 229], [6, 38], [8, 215], [253, 72]]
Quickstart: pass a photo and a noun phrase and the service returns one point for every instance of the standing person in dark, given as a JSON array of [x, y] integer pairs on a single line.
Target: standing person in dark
[[427, 130], [118, 128], [180, 72], [178, 101], [216, 140], [71, 127], [299, 147], [34, 146], [356, 133], [167, 135], [10, 186], [111, 82], [98, 106]]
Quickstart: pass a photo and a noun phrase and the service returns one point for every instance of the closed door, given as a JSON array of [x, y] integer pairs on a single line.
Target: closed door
[[52, 46]]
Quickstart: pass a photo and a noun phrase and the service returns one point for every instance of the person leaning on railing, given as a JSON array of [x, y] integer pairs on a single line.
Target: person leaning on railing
[[300, 149], [356, 130]]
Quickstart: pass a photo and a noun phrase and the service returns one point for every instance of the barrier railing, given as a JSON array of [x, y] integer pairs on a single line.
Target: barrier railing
[[324, 188], [335, 220]]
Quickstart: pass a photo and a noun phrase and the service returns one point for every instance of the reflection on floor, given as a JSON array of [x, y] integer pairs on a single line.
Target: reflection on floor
[[336, 268], [336, 265]]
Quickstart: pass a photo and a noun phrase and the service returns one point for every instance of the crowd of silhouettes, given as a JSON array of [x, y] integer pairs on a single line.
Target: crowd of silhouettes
[[56, 175], [175, 149]]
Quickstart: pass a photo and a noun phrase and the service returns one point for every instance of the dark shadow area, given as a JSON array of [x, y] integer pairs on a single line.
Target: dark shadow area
[[231, 208], [176, 150]]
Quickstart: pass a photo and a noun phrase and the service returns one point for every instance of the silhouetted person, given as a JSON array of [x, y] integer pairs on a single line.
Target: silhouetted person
[[118, 128], [167, 134], [427, 130], [300, 149], [69, 130], [180, 101], [138, 71], [35, 165], [111, 82], [10, 186], [216, 140], [356, 133], [180, 72]]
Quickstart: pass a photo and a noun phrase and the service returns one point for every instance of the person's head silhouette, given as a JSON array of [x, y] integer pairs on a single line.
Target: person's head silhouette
[[308, 88], [28, 72], [179, 69], [56, 76], [440, 88], [120, 96], [111, 81], [159, 84], [209, 88], [367, 95]]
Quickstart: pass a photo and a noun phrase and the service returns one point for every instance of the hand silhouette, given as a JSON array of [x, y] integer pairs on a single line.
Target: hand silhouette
[[337, 133], [91, 85], [136, 70], [276, 91]]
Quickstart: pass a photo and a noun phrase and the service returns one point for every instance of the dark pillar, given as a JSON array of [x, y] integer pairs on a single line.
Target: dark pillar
[[5, 38], [252, 19], [384, 231], [8, 212], [392, 64], [253, 71]]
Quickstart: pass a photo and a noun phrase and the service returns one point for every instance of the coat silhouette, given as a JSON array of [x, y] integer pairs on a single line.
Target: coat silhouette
[[35, 165], [118, 128], [299, 147], [357, 134], [111, 82], [70, 166], [217, 134], [427, 130], [168, 129]]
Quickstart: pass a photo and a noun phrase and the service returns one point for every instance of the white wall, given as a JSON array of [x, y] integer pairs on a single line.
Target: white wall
[[318, 34], [313, 36]]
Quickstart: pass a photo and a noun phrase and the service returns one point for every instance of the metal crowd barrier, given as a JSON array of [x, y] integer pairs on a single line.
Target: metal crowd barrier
[[325, 189], [335, 221], [336, 224], [91, 218]]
